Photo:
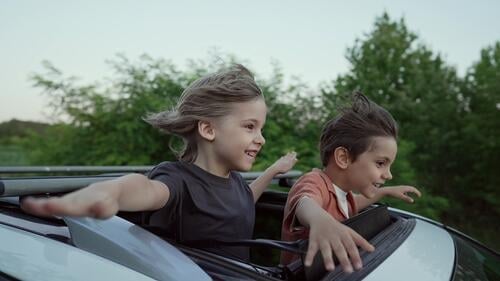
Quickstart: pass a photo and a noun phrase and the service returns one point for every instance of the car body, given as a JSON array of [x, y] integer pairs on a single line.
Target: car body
[[132, 246]]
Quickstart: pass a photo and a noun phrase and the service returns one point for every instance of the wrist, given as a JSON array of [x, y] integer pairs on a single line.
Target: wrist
[[381, 193], [273, 170]]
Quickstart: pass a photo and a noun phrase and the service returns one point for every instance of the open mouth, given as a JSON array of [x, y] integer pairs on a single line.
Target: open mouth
[[378, 185], [251, 153]]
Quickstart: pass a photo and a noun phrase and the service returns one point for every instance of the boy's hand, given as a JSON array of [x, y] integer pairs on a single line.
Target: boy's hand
[[401, 192], [90, 202], [285, 163], [328, 235]]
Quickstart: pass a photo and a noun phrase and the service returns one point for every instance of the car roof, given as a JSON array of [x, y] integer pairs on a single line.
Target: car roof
[[114, 239], [28, 256], [428, 253], [128, 244]]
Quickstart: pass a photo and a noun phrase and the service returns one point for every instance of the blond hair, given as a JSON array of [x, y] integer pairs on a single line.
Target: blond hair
[[210, 96]]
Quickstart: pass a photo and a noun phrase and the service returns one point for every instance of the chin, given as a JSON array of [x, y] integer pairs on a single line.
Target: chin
[[369, 193], [246, 166], [243, 168]]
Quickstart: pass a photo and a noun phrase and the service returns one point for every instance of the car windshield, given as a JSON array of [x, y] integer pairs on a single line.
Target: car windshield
[[474, 262]]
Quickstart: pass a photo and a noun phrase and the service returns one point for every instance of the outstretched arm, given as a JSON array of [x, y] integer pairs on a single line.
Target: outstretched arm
[[133, 192], [399, 191], [282, 165], [329, 236]]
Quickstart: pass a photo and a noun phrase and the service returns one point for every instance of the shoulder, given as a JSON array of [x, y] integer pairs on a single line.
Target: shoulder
[[172, 174], [313, 177], [166, 167], [312, 184]]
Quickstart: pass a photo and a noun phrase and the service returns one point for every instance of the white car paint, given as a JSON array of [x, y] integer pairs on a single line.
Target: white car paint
[[427, 254], [28, 256]]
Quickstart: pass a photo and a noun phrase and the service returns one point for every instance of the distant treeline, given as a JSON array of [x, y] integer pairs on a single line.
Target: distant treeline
[[18, 128]]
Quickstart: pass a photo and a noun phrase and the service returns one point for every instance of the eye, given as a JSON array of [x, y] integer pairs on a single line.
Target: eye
[[250, 126], [380, 164]]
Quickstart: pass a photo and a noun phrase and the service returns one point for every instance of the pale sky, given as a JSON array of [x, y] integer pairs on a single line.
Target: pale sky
[[307, 38]]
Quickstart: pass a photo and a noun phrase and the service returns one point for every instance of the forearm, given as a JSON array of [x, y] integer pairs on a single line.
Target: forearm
[[363, 202], [308, 212], [133, 192], [260, 184]]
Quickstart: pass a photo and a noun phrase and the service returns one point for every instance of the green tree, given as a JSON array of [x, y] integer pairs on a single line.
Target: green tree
[[11, 135], [478, 149], [105, 126], [292, 122]]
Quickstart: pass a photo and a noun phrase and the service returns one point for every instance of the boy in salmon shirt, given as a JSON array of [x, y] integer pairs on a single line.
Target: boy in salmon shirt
[[357, 149]]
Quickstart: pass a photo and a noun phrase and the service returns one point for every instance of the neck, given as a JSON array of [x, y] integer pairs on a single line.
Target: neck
[[211, 164], [337, 176]]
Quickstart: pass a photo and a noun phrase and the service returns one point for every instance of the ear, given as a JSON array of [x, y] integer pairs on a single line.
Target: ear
[[206, 130], [341, 157]]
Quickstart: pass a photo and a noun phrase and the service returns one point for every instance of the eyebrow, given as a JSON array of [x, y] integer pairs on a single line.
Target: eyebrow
[[253, 120], [385, 158]]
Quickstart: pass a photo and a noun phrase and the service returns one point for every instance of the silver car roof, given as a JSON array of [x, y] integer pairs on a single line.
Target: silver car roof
[[125, 243], [427, 254], [28, 256]]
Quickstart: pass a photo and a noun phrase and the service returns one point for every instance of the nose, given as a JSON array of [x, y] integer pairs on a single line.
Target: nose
[[387, 175], [260, 139]]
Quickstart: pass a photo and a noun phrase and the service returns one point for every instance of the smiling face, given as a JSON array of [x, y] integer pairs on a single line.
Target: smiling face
[[372, 168], [238, 135]]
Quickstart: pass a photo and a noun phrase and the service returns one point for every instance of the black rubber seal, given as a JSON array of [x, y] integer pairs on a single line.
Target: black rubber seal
[[2, 187]]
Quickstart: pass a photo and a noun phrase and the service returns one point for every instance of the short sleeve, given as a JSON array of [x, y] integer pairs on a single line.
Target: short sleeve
[[309, 185], [169, 174]]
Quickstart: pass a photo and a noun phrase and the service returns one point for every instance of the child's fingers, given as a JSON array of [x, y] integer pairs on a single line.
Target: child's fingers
[[416, 191], [291, 155], [403, 194], [406, 198], [326, 252], [33, 206], [37, 206], [63, 207], [341, 254], [360, 241], [311, 252], [411, 189], [353, 252]]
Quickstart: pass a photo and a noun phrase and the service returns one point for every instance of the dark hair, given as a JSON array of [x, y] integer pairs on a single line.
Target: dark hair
[[355, 127], [210, 96]]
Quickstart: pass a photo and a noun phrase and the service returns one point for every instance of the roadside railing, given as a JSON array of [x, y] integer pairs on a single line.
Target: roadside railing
[[6, 170], [60, 179]]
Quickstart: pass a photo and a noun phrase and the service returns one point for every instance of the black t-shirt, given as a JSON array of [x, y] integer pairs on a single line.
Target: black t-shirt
[[204, 206]]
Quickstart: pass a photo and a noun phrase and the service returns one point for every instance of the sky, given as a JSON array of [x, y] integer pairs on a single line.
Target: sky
[[307, 38]]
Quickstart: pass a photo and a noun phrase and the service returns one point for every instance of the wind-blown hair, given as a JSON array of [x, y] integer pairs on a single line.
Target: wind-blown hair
[[355, 127], [208, 97]]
